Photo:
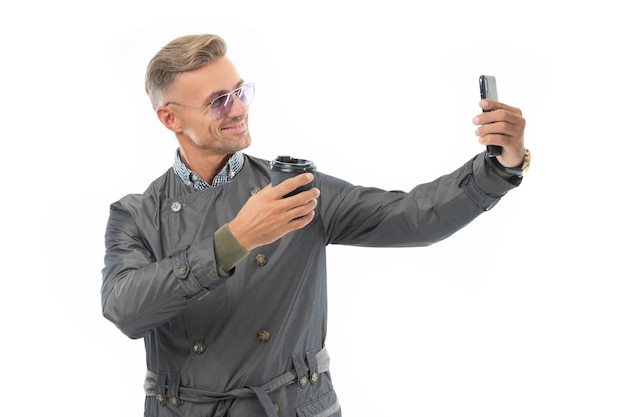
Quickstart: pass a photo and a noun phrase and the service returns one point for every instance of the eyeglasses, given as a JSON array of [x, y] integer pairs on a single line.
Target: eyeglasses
[[220, 106]]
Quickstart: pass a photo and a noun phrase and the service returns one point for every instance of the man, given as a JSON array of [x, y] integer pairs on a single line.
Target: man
[[225, 278]]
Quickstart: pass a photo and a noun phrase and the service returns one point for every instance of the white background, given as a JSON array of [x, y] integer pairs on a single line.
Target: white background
[[521, 313]]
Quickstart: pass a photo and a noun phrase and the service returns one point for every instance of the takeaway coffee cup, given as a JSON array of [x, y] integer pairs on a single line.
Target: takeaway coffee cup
[[284, 167]]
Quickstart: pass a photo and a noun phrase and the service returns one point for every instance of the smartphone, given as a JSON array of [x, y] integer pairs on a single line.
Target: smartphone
[[488, 89]]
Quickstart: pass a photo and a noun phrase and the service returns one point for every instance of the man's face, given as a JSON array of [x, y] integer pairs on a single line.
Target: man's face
[[196, 130]]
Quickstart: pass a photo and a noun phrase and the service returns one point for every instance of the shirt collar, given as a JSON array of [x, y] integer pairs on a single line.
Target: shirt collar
[[226, 174]]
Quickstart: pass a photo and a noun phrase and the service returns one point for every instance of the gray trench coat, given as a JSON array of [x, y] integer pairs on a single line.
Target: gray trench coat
[[252, 344]]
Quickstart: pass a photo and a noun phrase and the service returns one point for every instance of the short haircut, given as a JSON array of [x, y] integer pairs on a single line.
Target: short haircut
[[182, 54]]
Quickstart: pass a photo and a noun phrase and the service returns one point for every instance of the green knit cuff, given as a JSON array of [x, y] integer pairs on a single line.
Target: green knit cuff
[[228, 251]]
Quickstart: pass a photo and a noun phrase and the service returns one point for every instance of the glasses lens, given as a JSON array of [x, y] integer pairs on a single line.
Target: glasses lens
[[221, 105], [246, 94]]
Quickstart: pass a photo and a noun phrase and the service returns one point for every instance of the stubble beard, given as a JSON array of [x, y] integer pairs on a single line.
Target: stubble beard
[[238, 143], [226, 145]]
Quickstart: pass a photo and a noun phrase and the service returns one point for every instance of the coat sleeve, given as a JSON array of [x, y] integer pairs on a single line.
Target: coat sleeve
[[430, 212], [140, 289]]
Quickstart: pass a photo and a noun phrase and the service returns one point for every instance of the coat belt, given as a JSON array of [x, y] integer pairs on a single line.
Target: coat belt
[[160, 384]]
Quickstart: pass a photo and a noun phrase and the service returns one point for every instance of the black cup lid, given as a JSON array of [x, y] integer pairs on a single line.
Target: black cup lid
[[285, 163]]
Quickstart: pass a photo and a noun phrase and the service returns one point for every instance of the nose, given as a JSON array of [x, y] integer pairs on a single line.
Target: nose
[[237, 109]]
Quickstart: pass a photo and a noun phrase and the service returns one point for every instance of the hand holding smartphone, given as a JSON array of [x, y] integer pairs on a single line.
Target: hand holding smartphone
[[488, 89]]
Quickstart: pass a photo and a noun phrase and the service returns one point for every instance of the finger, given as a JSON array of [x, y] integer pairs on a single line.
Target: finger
[[504, 135], [498, 128], [303, 197], [292, 183], [302, 209], [300, 204], [499, 115], [300, 222], [490, 105]]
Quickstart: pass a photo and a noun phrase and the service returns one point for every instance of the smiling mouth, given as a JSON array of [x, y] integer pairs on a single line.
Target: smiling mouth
[[238, 126]]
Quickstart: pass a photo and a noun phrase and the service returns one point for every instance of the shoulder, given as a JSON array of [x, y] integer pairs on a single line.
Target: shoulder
[[256, 163], [165, 186]]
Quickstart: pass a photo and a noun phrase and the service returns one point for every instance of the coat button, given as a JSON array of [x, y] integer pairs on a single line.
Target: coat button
[[255, 190], [160, 399], [174, 401], [181, 270], [303, 380], [314, 377], [260, 259], [276, 408], [199, 347], [176, 207], [263, 336]]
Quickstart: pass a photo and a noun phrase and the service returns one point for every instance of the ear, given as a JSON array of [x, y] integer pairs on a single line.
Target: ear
[[169, 119]]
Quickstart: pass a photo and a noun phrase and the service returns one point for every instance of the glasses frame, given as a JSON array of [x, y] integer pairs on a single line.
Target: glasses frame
[[229, 100]]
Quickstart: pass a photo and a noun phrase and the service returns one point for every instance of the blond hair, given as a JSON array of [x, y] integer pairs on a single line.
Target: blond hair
[[182, 54]]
